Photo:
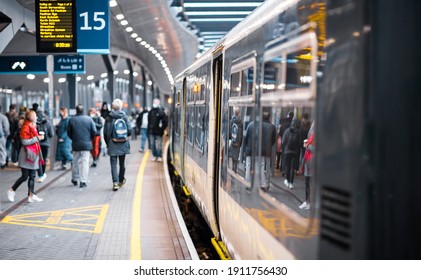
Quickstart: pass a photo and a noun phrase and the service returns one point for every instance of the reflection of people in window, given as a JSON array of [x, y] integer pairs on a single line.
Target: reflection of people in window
[[309, 145], [268, 140], [236, 137], [291, 149]]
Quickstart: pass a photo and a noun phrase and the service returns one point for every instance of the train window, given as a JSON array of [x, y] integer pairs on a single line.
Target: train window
[[200, 127], [298, 69], [202, 92], [247, 78], [191, 124], [272, 75], [235, 85]]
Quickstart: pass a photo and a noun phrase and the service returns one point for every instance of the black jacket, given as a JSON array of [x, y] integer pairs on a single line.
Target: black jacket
[[157, 121], [81, 130]]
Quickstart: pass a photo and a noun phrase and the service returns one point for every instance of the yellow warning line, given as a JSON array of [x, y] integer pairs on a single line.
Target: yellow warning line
[[135, 246]]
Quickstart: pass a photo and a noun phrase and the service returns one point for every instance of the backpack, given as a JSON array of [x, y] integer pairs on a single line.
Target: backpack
[[294, 142], [120, 131], [42, 127], [234, 134]]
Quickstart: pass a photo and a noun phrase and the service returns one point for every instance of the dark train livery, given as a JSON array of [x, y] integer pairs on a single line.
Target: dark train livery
[[347, 72]]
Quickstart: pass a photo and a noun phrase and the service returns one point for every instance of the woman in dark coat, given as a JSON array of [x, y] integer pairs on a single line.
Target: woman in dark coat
[[64, 143]]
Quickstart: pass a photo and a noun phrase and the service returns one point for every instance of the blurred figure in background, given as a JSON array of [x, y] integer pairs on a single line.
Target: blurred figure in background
[[157, 123], [64, 143], [142, 124], [4, 133], [12, 117], [96, 142], [45, 128]]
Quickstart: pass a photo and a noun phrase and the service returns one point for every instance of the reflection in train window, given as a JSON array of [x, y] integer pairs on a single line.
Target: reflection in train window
[[239, 148], [190, 124], [200, 126], [235, 84], [298, 69], [177, 114], [272, 75], [286, 168], [247, 78]]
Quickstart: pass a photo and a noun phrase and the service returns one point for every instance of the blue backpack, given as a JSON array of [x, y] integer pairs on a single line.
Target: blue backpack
[[120, 131]]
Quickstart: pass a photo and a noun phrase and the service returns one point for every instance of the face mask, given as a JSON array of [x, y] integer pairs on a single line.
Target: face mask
[[155, 105], [92, 115]]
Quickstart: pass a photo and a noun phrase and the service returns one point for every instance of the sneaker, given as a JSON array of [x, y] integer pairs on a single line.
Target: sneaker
[[42, 178], [159, 159], [34, 198], [11, 195], [74, 183], [140, 150], [82, 185], [286, 183], [291, 186], [115, 187], [154, 159], [121, 184], [304, 205]]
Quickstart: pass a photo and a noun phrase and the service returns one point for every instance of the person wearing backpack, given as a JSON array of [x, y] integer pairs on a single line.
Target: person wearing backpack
[[45, 128], [117, 131], [291, 149], [157, 123], [236, 137]]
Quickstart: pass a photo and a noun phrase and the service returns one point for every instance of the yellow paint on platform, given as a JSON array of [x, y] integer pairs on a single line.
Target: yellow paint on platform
[[135, 246], [82, 219]]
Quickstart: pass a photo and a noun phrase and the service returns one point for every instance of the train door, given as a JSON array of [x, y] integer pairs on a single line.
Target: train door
[[184, 125], [217, 98]]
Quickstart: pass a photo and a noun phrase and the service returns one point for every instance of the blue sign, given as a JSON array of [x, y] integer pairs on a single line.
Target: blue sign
[[93, 26], [23, 64], [69, 64]]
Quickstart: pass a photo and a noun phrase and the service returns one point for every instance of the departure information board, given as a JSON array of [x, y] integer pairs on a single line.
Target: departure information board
[[56, 26]]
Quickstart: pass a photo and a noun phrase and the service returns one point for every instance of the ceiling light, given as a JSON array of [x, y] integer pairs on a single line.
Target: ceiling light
[[103, 75], [134, 35], [113, 3], [124, 22], [150, 83], [214, 19], [126, 71], [143, 43], [90, 77], [154, 51], [30, 76], [119, 16], [129, 29], [78, 79], [62, 80], [115, 72], [147, 46], [138, 39], [46, 80], [219, 13], [221, 4], [135, 74]]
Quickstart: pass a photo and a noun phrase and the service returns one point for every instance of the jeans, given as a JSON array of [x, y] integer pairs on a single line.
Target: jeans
[[82, 172], [44, 151], [156, 142], [264, 176], [113, 160], [290, 163], [144, 132], [26, 174]]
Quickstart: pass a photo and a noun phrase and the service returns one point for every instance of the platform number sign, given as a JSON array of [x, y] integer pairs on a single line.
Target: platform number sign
[[93, 29]]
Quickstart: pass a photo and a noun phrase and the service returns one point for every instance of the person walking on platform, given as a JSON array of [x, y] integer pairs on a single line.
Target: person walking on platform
[[30, 157], [12, 116], [4, 133], [81, 130], [157, 123], [117, 131], [45, 128], [142, 123], [64, 143], [96, 142]]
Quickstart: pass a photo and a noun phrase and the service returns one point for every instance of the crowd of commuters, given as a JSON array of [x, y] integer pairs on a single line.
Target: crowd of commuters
[[26, 137]]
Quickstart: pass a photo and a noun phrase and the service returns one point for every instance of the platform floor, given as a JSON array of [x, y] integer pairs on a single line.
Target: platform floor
[[136, 222]]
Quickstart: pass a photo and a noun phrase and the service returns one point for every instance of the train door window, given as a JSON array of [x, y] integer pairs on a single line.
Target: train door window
[[190, 116], [272, 76], [200, 118], [298, 69]]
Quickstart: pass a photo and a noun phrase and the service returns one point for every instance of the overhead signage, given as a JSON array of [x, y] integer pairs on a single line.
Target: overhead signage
[[93, 26], [56, 26], [23, 65], [69, 64]]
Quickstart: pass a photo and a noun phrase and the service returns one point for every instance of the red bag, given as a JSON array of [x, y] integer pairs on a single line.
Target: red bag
[[279, 144]]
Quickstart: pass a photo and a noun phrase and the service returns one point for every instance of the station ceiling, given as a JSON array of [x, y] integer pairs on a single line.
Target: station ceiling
[[141, 31]]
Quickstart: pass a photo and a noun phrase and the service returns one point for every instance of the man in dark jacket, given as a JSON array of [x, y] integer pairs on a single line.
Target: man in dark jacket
[[157, 123], [81, 130], [117, 148], [291, 149]]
